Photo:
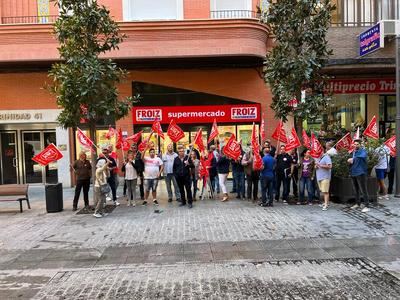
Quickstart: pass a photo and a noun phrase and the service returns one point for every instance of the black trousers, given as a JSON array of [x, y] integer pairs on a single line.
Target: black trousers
[[391, 181], [113, 186], [285, 181], [295, 180], [252, 185], [85, 184], [184, 183], [360, 185]]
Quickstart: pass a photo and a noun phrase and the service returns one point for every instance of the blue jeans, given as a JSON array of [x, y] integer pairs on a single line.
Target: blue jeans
[[168, 179], [267, 188], [238, 179], [306, 182]]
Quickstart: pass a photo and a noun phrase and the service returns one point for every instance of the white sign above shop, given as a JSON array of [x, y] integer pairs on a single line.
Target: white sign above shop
[[29, 116]]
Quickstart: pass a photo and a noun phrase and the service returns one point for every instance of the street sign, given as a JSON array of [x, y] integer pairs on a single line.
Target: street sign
[[371, 39]]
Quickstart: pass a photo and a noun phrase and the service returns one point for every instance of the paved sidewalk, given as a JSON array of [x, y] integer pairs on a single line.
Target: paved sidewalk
[[249, 251]]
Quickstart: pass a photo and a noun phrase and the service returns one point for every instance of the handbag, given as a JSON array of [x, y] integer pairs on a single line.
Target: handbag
[[105, 188]]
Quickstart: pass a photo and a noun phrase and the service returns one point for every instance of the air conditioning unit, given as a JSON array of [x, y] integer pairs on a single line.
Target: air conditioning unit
[[390, 27]]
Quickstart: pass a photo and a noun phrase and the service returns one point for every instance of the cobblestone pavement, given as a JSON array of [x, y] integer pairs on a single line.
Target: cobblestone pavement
[[233, 250]]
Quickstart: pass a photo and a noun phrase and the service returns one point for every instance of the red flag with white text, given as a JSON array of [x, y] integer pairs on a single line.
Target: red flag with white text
[[345, 142], [125, 145], [254, 139], [372, 129], [111, 132], [198, 140], [232, 148], [293, 141], [135, 138], [143, 145], [306, 140], [48, 155], [279, 133], [174, 132], [214, 132], [84, 140], [157, 128], [316, 148], [257, 161], [391, 144]]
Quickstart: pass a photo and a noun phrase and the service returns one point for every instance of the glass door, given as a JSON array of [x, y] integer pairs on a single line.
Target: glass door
[[9, 161], [51, 170], [32, 145]]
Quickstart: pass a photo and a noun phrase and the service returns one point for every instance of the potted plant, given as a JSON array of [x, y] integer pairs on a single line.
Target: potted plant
[[341, 188]]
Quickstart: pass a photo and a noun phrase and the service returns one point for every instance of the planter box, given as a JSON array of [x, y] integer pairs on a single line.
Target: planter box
[[341, 189]]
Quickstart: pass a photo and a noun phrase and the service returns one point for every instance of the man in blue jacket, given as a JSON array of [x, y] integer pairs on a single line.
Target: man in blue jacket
[[267, 178], [359, 174]]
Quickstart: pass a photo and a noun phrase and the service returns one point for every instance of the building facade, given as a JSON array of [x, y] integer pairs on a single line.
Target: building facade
[[201, 56]]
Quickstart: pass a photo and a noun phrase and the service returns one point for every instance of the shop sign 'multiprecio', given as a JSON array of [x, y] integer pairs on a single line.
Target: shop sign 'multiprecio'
[[197, 114]]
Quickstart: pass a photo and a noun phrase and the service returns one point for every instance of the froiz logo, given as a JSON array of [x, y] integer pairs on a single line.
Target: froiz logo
[[240, 113], [148, 114]]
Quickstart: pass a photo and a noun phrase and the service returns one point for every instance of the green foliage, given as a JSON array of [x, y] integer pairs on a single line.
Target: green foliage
[[301, 50], [340, 166], [83, 81]]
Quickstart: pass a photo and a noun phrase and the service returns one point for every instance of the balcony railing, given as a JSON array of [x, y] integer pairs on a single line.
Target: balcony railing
[[29, 19], [364, 12], [233, 14]]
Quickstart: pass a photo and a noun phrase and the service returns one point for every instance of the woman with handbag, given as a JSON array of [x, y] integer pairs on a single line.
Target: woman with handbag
[[101, 187]]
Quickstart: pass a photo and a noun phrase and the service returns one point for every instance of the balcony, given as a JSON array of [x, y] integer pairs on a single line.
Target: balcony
[[359, 13], [233, 14], [150, 41]]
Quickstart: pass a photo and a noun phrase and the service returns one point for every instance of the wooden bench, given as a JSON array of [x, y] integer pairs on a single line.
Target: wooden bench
[[15, 192]]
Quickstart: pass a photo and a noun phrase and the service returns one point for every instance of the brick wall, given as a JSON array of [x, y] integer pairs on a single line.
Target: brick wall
[[196, 9]]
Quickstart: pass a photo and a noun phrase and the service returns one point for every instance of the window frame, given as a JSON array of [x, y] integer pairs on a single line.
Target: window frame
[[128, 5]]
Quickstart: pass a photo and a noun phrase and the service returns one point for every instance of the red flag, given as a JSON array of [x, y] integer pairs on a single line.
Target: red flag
[[372, 129], [257, 161], [279, 133], [135, 138], [51, 153], [293, 102], [198, 140], [174, 132], [316, 148], [120, 140], [254, 139], [203, 170], [391, 144], [84, 113], [262, 128], [214, 132], [143, 145], [125, 145], [111, 132], [232, 148], [157, 128], [306, 140], [293, 141], [84, 139], [345, 142]]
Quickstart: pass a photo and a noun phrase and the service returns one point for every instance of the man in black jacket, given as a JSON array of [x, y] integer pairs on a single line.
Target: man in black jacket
[[284, 171], [181, 169]]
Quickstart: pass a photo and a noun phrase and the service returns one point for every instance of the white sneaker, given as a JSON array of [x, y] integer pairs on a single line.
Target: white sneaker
[[365, 209], [355, 206], [383, 197], [97, 215], [116, 203], [324, 208], [108, 198], [104, 214]]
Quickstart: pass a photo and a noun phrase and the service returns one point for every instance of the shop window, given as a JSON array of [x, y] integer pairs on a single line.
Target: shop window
[[225, 133], [244, 134], [137, 10], [101, 140]]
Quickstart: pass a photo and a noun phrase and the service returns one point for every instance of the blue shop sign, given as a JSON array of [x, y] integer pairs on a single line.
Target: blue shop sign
[[372, 39]]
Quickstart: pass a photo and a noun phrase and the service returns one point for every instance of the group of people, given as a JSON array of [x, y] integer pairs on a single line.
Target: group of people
[[184, 173]]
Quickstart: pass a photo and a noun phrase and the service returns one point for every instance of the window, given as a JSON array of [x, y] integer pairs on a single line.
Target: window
[[137, 10], [227, 9]]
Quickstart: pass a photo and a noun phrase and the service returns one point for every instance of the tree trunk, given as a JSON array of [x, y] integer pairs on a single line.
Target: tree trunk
[[92, 135]]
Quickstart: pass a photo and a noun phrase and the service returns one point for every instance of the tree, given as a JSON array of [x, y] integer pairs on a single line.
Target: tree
[[83, 82], [299, 28]]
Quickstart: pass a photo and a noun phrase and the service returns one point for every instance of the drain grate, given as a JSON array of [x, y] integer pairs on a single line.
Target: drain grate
[[90, 210]]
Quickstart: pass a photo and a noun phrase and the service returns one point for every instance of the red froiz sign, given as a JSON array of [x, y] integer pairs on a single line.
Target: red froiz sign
[[51, 153], [238, 113]]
